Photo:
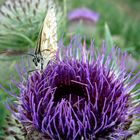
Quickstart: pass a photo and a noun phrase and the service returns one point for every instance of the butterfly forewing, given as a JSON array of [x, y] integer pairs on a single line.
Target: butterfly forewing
[[47, 42]]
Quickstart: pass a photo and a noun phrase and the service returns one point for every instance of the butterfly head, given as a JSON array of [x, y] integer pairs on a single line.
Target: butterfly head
[[37, 60]]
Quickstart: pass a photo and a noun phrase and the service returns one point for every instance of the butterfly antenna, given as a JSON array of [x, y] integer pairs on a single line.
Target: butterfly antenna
[[30, 54]]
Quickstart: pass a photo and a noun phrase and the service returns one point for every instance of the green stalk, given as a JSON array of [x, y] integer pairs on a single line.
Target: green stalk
[[65, 8]]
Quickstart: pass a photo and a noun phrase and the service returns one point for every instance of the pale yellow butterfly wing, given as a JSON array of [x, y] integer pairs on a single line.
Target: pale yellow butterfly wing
[[48, 42]]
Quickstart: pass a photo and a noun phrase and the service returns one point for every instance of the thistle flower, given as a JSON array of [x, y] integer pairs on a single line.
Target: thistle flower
[[20, 23], [83, 13], [84, 94], [83, 18]]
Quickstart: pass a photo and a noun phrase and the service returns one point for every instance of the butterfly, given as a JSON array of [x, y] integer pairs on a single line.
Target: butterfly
[[47, 41]]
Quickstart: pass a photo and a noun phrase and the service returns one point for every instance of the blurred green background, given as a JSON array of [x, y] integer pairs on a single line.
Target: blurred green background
[[122, 17]]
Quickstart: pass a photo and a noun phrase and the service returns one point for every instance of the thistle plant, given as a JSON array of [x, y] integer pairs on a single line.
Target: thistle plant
[[83, 94]]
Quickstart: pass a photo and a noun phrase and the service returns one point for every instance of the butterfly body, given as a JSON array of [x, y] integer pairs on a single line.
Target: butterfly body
[[38, 59]]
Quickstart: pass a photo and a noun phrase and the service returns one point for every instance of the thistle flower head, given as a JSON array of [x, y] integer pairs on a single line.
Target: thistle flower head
[[83, 21], [84, 94], [20, 10], [20, 22], [83, 13]]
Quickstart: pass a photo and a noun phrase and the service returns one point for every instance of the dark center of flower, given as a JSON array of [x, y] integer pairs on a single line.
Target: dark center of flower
[[70, 92]]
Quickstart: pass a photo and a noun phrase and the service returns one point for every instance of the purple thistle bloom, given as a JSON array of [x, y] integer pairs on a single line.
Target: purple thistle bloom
[[84, 94], [83, 21], [83, 13]]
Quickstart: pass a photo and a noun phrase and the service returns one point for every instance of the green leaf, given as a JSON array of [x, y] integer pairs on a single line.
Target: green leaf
[[108, 39], [109, 45]]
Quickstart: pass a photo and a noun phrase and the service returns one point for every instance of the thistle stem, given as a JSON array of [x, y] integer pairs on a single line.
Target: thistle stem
[[65, 8]]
